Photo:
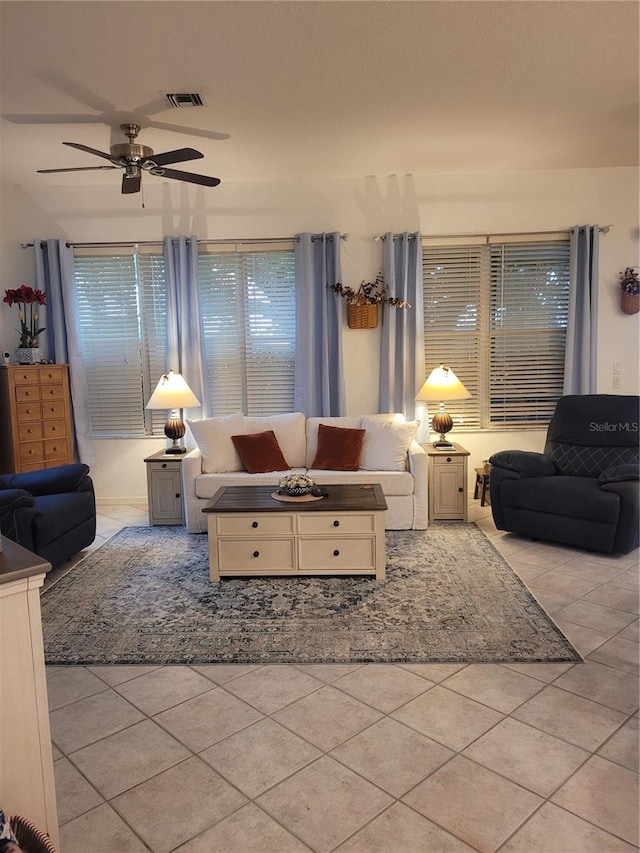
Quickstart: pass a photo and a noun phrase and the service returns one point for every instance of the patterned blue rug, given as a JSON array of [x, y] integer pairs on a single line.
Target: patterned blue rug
[[145, 597]]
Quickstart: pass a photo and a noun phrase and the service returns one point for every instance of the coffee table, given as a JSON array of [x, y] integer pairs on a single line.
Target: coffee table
[[252, 533]]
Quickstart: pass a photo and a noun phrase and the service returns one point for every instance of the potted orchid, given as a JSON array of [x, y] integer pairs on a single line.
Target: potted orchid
[[630, 287], [28, 301]]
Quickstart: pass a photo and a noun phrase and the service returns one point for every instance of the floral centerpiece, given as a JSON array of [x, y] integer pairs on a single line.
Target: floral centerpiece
[[296, 485], [362, 304], [630, 287], [28, 301]]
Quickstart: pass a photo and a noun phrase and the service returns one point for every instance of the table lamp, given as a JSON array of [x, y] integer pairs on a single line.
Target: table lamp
[[172, 392], [442, 384]]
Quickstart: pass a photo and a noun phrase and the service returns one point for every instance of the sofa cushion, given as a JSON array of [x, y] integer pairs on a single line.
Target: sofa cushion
[[213, 437], [346, 421], [289, 430], [386, 443], [206, 485], [339, 448], [260, 452], [393, 482]]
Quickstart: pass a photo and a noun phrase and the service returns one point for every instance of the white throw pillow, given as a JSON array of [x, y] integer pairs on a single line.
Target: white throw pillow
[[386, 444], [289, 429], [213, 437]]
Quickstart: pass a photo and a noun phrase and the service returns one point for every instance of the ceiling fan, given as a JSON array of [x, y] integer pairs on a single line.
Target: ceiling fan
[[135, 159]]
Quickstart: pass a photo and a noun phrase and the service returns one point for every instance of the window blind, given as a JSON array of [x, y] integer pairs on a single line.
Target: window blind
[[248, 309], [496, 313]]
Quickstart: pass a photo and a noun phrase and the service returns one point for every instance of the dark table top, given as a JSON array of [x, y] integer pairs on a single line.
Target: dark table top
[[17, 563], [340, 498]]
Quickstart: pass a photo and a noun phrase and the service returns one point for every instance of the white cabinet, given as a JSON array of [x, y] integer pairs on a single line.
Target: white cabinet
[[164, 488], [447, 483]]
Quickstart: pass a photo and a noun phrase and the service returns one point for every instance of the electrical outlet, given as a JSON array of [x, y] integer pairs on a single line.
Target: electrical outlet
[[617, 382], [617, 367]]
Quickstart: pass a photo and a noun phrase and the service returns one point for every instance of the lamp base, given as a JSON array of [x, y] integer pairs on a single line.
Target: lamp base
[[443, 445], [175, 448]]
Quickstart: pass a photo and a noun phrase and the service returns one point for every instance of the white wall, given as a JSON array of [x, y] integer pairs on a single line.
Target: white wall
[[361, 207]]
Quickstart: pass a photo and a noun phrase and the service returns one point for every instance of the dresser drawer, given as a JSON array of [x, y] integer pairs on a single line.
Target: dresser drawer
[[55, 429], [53, 392], [30, 430], [26, 376], [256, 555], [51, 375], [26, 393], [337, 554], [324, 522], [31, 452], [251, 525], [28, 412], [55, 449], [54, 409]]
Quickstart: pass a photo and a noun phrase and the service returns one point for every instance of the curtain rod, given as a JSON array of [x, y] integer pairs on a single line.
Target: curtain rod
[[127, 244], [604, 229]]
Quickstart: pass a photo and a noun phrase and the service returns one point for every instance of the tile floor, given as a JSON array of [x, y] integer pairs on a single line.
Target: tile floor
[[535, 758]]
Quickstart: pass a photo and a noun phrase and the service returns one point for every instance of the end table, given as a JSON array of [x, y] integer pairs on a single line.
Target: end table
[[447, 482], [164, 488]]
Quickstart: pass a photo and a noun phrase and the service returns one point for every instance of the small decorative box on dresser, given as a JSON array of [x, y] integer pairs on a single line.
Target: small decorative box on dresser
[[35, 417], [447, 483], [164, 488]]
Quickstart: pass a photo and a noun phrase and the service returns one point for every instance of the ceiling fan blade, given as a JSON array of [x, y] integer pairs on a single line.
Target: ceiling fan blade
[[92, 151], [177, 156], [75, 169], [45, 118], [192, 131], [177, 175], [131, 185]]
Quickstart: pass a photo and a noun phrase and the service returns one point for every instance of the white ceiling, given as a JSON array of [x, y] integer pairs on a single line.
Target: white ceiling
[[324, 89]]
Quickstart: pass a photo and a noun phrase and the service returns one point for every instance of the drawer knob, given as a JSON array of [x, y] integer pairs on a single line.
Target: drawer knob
[[460, 489], [254, 524], [336, 553], [164, 464], [177, 494], [256, 553], [448, 459], [336, 523]]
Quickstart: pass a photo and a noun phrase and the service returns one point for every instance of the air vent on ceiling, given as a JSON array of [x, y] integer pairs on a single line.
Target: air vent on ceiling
[[184, 99]]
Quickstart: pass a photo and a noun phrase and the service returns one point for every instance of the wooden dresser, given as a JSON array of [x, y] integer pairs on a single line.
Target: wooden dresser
[[35, 417]]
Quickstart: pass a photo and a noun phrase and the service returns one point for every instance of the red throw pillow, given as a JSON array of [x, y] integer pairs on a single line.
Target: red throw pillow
[[339, 449], [260, 452]]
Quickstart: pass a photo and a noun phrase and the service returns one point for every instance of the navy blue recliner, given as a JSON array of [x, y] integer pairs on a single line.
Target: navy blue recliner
[[583, 490], [51, 512]]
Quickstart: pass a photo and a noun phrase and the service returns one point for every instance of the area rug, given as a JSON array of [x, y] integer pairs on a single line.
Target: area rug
[[145, 597]]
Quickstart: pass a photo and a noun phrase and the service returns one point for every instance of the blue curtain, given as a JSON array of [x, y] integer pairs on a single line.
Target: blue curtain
[[580, 361], [402, 341], [55, 275], [319, 375], [185, 335]]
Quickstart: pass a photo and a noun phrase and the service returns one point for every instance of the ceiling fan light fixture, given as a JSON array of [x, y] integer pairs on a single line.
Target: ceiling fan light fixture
[[184, 99]]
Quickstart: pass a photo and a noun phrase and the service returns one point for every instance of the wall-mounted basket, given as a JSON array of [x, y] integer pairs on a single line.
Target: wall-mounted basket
[[630, 295], [362, 316], [630, 302]]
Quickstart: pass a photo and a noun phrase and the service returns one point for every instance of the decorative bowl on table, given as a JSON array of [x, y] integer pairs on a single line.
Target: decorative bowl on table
[[297, 485]]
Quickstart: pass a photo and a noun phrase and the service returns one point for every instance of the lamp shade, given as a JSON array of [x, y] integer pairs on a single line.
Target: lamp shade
[[172, 392], [442, 384]]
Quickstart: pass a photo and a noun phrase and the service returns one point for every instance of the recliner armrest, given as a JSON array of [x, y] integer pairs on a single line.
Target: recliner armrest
[[11, 499], [620, 473], [524, 463], [50, 481]]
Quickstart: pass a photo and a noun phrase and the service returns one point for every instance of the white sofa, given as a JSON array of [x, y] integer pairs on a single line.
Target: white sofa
[[390, 456]]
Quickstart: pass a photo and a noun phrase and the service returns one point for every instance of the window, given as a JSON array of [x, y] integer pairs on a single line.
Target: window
[[248, 306], [122, 316], [495, 311]]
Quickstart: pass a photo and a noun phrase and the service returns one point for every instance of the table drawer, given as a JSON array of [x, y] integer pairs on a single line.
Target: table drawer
[[250, 524], [26, 393], [55, 429], [30, 431], [31, 451], [256, 555], [28, 412], [325, 522], [337, 554]]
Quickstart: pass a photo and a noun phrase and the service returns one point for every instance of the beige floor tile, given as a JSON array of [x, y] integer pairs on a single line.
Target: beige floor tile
[[629, 579], [66, 684], [620, 598], [191, 795], [328, 672], [618, 653], [554, 830], [597, 617], [564, 584], [447, 717], [623, 561], [546, 555], [260, 756], [327, 717], [392, 756], [103, 830], [400, 830], [602, 684], [383, 686], [531, 758], [580, 567], [574, 719], [324, 803], [207, 718], [473, 803], [272, 687], [585, 640], [546, 672], [436, 672], [605, 794], [55, 752], [526, 571], [631, 632], [623, 747], [222, 672], [249, 829], [113, 675], [91, 719], [74, 795], [125, 759], [163, 688], [494, 685], [551, 601]]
